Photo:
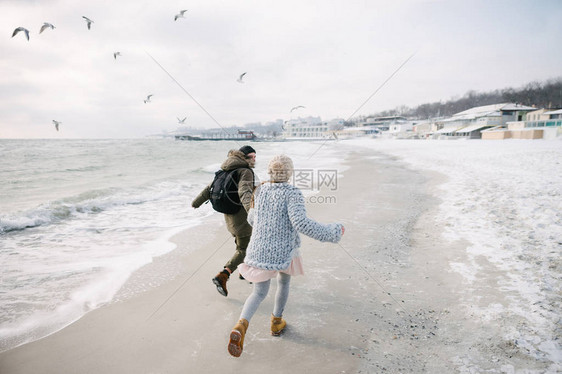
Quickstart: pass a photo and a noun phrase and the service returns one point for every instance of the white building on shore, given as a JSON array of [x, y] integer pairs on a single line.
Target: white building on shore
[[471, 122], [309, 128], [539, 124], [391, 126]]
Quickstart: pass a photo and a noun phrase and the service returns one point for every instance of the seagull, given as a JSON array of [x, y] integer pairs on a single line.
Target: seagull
[[115, 54], [26, 31], [148, 99], [46, 25], [239, 80], [57, 123], [297, 107], [181, 121], [88, 21], [180, 15]]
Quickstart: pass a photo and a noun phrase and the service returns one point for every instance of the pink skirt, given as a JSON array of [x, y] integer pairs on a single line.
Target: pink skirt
[[252, 274]]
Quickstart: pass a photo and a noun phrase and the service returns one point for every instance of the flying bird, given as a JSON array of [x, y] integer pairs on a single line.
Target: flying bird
[[26, 31], [46, 25], [181, 121], [88, 21], [57, 123], [180, 15], [297, 107], [115, 54], [239, 80], [148, 99]]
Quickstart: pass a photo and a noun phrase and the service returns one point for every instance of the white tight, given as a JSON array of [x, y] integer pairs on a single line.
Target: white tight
[[261, 290]]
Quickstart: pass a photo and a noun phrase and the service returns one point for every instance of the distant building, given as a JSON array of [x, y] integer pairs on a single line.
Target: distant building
[[538, 124], [537, 115], [502, 133], [471, 122], [383, 123], [555, 114], [423, 129], [306, 128], [401, 129], [356, 131]]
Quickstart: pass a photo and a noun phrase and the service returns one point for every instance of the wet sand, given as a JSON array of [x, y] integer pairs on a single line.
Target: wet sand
[[382, 300]]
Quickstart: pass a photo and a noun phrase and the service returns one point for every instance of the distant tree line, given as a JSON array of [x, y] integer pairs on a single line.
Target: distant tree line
[[546, 94]]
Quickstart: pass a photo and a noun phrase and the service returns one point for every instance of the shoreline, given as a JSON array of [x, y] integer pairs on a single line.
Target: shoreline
[[185, 323], [161, 269], [96, 293], [383, 299]]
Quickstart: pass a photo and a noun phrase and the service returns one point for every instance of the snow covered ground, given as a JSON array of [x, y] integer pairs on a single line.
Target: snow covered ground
[[505, 199]]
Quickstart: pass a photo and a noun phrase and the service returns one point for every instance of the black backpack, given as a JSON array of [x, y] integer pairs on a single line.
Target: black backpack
[[224, 192]]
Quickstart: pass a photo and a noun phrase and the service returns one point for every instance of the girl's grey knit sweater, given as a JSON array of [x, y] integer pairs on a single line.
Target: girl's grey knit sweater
[[278, 217]]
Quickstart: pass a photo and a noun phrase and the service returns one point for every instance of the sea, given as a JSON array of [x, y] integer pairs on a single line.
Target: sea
[[78, 217]]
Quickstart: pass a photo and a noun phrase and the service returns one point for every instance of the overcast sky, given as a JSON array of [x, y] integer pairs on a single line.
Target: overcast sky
[[328, 56]]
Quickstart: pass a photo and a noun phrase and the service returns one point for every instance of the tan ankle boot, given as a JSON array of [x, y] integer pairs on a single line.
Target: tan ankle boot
[[277, 325], [236, 342]]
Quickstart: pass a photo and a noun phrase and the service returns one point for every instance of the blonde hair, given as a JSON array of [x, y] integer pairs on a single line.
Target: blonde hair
[[280, 168]]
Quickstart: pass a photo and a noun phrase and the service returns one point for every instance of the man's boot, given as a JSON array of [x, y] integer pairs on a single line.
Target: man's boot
[[220, 281]]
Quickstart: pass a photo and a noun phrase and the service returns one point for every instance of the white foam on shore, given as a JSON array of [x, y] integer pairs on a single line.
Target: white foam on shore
[[110, 276]]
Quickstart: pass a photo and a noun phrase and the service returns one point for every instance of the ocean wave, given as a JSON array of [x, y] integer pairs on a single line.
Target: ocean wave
[[84, 168], [211, 168], [90, 202], [21, 223]]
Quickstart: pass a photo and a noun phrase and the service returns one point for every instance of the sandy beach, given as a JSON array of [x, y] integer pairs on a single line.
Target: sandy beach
[[382, 300]]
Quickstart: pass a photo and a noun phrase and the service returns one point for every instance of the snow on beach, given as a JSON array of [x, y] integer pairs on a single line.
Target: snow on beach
[[504, 198]]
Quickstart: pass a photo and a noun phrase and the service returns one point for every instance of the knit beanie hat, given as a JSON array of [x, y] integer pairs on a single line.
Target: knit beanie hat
[[247, 149], [280, 168]]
